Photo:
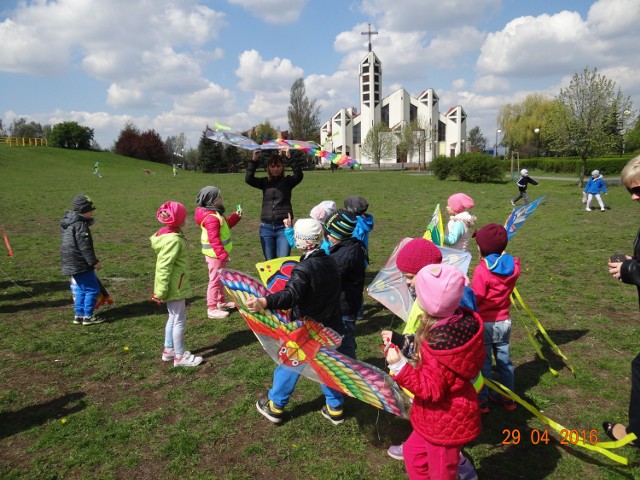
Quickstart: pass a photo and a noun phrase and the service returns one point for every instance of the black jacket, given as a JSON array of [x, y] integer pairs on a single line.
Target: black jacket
[[76, 245], [351, 256], [630, 269], [524, 180], [276, 194], [313, 290]]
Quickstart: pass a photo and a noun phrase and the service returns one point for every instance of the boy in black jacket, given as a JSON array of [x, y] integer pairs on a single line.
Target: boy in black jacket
[[525, 179], [351, 256], [78, 258], [313, 291]]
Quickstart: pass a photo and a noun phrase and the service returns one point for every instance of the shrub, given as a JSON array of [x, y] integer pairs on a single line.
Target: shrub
[[442, 166], [479, 168]]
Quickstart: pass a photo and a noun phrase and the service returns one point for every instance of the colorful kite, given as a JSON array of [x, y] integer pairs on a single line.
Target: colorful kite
[[435, 229], [312, 148], [223, 134], [389, 288], [309, 348], [275, 273], [519, 214]]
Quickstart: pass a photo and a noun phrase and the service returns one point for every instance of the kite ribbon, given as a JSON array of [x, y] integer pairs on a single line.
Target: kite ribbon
[[6, 242], [600, 447], [543, 332]]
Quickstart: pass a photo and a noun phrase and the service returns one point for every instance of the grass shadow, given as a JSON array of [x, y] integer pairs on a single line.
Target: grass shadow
[[233, 341], [37, 305], [32, 289], [34, 415]]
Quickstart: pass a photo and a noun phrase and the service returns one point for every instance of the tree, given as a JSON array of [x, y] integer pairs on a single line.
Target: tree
[[126, 143], [20, 128], [476, 140], [380, 144], [632, 137], [175, 147], [263, 132], [210, 155], [144, 146], [588, 117], [303, 114], [70, 135], [519, 122]]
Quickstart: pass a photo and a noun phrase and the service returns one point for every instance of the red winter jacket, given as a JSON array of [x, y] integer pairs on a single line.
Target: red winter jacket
[[445, 407], [493, 282], [212, 226]]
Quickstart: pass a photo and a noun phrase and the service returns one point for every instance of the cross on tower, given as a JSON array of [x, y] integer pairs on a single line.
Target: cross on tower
[[369, 33]]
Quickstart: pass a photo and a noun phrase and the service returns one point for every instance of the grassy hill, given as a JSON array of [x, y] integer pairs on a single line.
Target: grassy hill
[[97, 402]]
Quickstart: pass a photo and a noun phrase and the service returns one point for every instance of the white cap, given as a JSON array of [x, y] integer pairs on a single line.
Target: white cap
[[323, 210], [307, 233], [524, 171], [595, 173]]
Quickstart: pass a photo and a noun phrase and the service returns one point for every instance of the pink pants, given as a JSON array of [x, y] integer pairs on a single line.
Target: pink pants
[[215, 290], [426, 461]]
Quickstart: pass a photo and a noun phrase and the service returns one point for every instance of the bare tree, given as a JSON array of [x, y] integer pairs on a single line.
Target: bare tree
[[303, 114]]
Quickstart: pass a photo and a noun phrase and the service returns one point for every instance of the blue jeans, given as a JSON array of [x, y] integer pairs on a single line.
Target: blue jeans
[[87, 292], [284, 382], [348, 345], [496, 342], [273, 240]]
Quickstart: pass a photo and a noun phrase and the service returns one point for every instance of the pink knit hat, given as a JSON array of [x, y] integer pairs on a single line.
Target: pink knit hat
[[172, 214], [459, 202], [417, 253], [439, 289]]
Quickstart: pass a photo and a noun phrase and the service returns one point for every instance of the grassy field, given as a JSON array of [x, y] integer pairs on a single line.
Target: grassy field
[[97, 402]]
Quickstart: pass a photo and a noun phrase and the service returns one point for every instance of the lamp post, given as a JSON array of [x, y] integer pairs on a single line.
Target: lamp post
[[537, 132], [625, 115], [496, 151]]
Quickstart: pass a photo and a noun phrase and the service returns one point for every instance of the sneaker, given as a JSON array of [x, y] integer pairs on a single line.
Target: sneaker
[[168, 354], [588, 209], [395, 452], [226, 305], [216, 313], [602, 209], [506, 403], [269, 409], [465, 469], [77, 320], [484, 407], [92, 320], [513, 204], [334, 416], [186, 360]]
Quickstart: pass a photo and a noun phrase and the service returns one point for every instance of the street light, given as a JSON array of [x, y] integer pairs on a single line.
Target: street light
[[496, 151], [537, 132]]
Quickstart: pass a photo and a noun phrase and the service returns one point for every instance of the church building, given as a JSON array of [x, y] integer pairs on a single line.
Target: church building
[[438, 134]]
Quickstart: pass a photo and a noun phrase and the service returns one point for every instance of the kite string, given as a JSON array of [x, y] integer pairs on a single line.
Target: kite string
[[11, 280]]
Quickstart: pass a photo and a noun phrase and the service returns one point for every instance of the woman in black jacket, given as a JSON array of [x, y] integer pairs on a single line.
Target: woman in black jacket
[[628, 271], [276, 202]]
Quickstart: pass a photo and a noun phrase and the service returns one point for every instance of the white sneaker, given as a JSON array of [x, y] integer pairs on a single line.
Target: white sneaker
[[187, 360], [167, 354], [216, 313], [226, 305], [588, 209]]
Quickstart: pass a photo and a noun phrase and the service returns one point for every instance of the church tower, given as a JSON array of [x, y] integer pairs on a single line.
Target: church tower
[[370, 93]]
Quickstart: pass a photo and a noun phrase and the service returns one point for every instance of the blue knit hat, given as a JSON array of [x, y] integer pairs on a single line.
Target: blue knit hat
[[341, 224]]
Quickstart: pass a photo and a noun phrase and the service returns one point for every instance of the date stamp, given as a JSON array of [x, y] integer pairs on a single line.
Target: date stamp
[[536, 437]]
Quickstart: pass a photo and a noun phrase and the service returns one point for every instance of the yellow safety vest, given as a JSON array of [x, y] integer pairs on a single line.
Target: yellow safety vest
[[225, 236]]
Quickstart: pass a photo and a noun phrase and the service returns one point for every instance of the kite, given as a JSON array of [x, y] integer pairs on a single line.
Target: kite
[[312, 148], [308, 348], [519, 214], [389, 288], [435, 229], [275, 273], [223, 134]]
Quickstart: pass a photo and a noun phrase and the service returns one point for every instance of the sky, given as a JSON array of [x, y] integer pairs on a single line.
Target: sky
[[177, 65]]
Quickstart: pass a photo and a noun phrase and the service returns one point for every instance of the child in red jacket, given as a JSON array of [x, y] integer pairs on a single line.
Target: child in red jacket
[[216, 245], [448, 355], [493, 282]]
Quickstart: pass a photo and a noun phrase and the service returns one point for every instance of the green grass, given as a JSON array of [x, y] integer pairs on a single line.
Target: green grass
[[76, 404]]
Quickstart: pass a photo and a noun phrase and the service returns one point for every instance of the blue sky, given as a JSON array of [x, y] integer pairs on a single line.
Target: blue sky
[[176, 65]]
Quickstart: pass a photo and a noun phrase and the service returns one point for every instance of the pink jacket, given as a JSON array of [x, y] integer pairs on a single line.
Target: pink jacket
[[493, 289], [212, 226]]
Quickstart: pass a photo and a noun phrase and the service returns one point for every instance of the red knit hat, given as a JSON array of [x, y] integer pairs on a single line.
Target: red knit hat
[[492, 238], [172, 214], [417, 253], [459, 202]]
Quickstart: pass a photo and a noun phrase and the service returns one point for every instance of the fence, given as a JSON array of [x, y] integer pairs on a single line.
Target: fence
[[24, 141]]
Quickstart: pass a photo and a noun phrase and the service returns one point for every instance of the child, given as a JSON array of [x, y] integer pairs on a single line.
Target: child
[[215, 239], [460, 221], [594, 186], [313, 291], [449, 354], [171, 283], [493, 282], [359, 206], [351, 256], [525, 179], [320, 212], [78, 258]]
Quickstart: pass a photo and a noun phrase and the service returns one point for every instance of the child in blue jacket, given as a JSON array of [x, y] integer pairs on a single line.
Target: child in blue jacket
[[594, 186]]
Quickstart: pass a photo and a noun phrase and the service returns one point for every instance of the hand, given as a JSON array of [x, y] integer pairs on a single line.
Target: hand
[[392, 353], [386, 336], [255, 304], [156, 300], [256, 156], [97, 266], [287, 221], [239, 210]]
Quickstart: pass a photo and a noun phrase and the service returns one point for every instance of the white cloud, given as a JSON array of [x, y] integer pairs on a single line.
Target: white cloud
[[273, 11], [491, 83], [257, 74], [118, 96]]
